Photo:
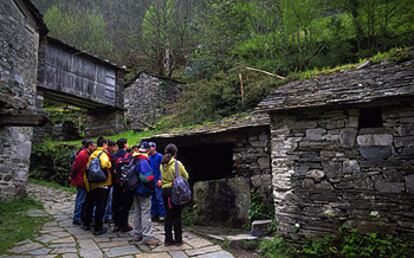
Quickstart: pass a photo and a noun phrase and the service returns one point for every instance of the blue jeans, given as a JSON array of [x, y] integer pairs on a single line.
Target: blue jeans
[[157, 204], [108, 209], [80, 200]]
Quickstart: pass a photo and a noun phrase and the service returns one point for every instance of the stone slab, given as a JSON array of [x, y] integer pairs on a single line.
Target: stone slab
[[204, 250], [122, 251]]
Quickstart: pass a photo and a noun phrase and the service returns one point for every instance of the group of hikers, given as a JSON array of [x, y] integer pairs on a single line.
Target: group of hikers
[[110, 177]]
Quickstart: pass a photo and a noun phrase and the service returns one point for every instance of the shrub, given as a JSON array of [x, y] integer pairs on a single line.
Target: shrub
[[50, 161], [259, 209], [347, 244]]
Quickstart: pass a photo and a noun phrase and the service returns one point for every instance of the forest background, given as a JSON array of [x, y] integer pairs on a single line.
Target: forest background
[[212, 44]]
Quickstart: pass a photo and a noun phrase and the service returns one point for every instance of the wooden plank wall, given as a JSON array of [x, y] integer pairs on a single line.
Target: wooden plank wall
[[75, 74]]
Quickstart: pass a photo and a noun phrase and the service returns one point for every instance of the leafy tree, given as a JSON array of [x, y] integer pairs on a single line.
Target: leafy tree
[[85, 30]]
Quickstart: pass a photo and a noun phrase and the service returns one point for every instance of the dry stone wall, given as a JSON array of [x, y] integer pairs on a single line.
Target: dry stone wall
[[327, 172], [147, 98], [19, 43], [251, 159]]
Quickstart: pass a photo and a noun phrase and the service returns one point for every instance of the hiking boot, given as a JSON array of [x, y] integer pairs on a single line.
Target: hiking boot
[[85, 227], [178, 243], [137, 238], [152, 242], [168, 243], [100, 231]]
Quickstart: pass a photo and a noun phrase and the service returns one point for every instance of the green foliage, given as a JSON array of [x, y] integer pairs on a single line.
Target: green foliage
[[260, 210], [50, 161], [84, 29], [53, 185], [348, 243], [15, 226], [187, 215], [275, 248], [221, 95]]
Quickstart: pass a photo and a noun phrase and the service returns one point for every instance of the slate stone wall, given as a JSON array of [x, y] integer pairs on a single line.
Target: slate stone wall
[[104, 122], [147, 99], [251, 159], [19, 43], [328, 172]]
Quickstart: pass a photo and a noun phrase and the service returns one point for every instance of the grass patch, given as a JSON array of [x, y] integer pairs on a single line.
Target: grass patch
[[132, 137], [52, 185], [15, 226]]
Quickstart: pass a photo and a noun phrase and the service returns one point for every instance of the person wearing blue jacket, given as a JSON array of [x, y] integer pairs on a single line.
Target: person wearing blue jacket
[[142, 204], [157, 204]]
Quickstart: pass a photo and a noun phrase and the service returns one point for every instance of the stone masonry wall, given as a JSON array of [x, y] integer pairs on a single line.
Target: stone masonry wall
[[328, 172], [226, 202], [19, 43], [147, 99], [252, 160]]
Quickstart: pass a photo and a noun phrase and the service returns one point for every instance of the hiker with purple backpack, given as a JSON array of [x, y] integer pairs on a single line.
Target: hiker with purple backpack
[[175, 192]]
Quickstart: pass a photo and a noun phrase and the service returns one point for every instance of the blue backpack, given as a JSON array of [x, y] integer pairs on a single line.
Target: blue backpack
[[146, 182], [181, 193], [95, 172]]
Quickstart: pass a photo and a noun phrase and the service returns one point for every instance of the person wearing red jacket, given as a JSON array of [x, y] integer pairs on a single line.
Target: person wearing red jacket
[[77, 180]]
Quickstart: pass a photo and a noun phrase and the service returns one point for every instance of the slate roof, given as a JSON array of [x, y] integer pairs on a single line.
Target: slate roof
[[372, 82], [232, 123]]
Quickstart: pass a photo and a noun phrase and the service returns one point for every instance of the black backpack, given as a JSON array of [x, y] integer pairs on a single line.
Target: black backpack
[[129, 177]]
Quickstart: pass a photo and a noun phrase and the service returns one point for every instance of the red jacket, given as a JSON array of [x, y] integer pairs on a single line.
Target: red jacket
[[79, 168]]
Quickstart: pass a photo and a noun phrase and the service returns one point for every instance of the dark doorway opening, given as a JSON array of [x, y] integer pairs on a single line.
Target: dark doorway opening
[[207, 162]]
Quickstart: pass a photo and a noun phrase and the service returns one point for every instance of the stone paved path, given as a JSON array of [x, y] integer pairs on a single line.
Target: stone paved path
[[59, 238]]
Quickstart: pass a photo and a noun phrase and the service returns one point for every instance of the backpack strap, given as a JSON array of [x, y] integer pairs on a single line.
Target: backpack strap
[[176, 169]]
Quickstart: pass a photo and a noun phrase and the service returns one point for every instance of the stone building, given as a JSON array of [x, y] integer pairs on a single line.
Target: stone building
[[21, 27], [146, 99], [227, 162], [343, 152]]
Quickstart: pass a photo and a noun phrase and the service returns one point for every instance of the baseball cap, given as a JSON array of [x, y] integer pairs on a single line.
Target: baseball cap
[[144, 146], [152, 144]]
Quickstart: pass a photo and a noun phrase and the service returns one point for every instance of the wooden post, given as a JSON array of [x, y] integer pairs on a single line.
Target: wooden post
[[241, 89]]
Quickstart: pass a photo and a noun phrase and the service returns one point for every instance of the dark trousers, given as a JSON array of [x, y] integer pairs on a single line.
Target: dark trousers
[[95, 198], [121, 204], [173, 218]]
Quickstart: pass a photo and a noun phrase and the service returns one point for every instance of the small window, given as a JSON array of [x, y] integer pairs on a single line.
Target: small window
[[370, 118]]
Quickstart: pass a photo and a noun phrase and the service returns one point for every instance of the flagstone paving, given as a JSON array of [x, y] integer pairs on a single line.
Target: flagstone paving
[[59, 238]]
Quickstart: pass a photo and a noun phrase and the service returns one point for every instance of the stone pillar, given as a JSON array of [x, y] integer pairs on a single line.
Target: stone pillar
[[104, 122], [16, 146]]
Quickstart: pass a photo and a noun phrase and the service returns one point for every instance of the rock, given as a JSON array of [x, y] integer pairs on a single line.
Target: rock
[[350, 166], [315, 174], [409, 183], [222, 202], [260, 181], [203, 250], [389, 187], [315, 134], [347, 137], [261, 228], [264, 163], [376, 152], [220, 254], [333, 170], [122, 251], [375, 140]]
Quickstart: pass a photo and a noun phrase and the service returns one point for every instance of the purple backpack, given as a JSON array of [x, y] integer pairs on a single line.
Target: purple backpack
[[181, 193]]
